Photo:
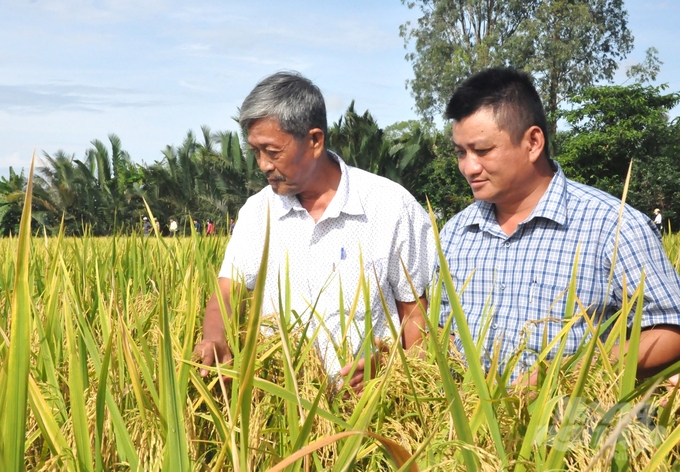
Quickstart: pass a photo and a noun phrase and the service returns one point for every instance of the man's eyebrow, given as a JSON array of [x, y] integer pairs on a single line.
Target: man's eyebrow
[[474, 144]]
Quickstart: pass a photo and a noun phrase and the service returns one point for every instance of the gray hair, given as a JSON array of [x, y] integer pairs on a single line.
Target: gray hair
[[291, 99]]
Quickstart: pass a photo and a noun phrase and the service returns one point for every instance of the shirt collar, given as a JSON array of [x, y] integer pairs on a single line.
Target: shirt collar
[[346, 200], [552, 205]]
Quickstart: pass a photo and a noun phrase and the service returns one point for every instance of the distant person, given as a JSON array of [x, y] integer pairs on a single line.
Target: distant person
[[197, 226], [146, 226], [231, 226], [173, 227], [158, 225], [658, 219], [210, 228]]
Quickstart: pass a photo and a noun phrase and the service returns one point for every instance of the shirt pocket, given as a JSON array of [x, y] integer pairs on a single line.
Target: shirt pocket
[[542, 301], [349, 272]]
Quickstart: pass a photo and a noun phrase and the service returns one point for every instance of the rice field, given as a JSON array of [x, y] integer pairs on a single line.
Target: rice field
[[98, 375]]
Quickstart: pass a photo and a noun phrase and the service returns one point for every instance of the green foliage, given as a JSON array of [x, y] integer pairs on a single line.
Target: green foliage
[[103, 193], [440, 182], [612, 125], [566, 44], [454, 39], [92, 193], [647, 70], [11, 202], [410, 153], [569, 45], [211, 178]]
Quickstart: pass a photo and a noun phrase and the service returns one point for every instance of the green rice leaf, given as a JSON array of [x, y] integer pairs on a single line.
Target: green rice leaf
[[249, 352], [15, 368]]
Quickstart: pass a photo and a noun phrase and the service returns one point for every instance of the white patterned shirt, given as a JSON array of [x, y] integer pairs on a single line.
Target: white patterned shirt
[[519, 282], [369, 217]]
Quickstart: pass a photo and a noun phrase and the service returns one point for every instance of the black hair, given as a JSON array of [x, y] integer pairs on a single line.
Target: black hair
[[509, 93]]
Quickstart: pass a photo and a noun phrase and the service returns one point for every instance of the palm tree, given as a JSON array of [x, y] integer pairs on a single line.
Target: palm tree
[[12, 191], [95, 192], [12, 195], [361, 143], [208, 177]]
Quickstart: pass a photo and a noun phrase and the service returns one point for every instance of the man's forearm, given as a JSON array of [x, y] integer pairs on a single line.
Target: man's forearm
[[413, 321], [213, 324], [659, 347]]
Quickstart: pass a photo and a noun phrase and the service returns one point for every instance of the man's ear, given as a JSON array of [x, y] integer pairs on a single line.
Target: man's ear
[[317, 140], [535, 141]]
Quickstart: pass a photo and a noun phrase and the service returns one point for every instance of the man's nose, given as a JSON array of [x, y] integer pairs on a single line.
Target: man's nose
[[470, 165], [265, 164]]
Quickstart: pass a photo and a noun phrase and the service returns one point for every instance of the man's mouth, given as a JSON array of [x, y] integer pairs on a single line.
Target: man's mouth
[[275, 178]]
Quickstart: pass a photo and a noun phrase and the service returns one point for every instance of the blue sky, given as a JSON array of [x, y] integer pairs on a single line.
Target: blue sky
[[76, 70]]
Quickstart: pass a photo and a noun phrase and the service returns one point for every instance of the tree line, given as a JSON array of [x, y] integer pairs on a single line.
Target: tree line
[[211, 174], [567, 46]]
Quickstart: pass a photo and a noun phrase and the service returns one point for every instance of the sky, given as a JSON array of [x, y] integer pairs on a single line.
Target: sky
[[72, 71]]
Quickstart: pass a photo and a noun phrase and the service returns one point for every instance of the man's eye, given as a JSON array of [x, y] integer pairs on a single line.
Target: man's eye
[[482, 152], [271, 153]]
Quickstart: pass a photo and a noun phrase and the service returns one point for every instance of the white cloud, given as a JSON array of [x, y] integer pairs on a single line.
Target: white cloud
[[14, 159], [45, 98]]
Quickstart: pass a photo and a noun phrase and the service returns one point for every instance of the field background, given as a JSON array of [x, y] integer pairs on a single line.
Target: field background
[[103, 330]]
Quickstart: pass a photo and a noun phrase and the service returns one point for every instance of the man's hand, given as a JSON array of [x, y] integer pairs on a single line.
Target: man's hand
[[525, 380], [207, 349], [356, 382], [673, 384], [214, 341]]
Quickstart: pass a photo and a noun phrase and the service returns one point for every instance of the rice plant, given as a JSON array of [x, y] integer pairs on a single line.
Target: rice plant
[[98, 374]]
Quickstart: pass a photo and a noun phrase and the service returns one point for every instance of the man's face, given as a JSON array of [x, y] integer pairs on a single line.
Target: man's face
[[496, 168], [287, 162]]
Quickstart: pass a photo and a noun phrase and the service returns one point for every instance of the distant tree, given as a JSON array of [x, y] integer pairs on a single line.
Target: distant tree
[[92, 194], [647, 70], [609, 126], [12, 191], [69, 191], [440, 181], [571, 44], [566, 44], [400, 154], [453, 39], [358, 140], [12, 196], [113, 176], [207, 178]]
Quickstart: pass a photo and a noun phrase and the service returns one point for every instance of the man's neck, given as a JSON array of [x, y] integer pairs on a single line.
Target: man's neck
[[510, 214], [317, 198]]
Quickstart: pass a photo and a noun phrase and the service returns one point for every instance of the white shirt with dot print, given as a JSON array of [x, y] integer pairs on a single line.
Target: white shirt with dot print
[[370, 218]]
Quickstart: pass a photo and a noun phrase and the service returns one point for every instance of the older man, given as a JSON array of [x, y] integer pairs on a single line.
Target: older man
[[515, 246], [326, 219]]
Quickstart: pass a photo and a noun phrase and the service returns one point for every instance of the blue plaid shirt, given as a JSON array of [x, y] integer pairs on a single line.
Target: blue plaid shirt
[[518, 283]]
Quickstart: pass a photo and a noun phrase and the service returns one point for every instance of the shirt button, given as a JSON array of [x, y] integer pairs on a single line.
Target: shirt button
[[507, 244], [494, 326], [502, 286]]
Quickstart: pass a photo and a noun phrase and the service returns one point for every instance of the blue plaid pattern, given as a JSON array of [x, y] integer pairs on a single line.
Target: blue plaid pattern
[[517, 284]]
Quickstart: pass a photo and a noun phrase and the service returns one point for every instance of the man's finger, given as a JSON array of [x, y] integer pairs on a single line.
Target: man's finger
[[381, 345], [205, 351], [348, 368], [357, 378], [226, 357]]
